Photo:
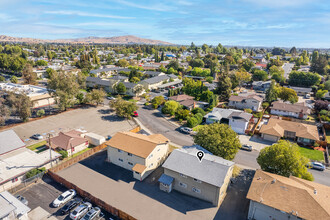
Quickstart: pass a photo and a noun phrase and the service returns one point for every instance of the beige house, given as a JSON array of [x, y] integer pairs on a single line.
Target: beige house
[[275, 129], [207, 180], [246, 100], [139, 153], [297, 110], [71, 141], [278, 197]]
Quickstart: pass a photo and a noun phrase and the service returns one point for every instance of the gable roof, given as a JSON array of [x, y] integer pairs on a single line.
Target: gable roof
[[138, 144], [66, 140], [276, 127], [243, 96], [97, 80], [305, 199], [240, 116], [180, 98], [220, 113], [156, 79], [297, 107], [9, 203], [153, 73], [9, 141], [211, 170]]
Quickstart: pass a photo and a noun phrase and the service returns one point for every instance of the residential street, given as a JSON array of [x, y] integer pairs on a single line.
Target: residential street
[[156, 123]]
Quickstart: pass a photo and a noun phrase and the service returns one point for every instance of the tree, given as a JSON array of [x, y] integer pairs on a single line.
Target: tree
[[304, 79], [21, 105], [319, 64], [4, 111], [224, 86], [284, 159], [320, 105], [259, 75], [170, 107], [276, 70], [138, 89], [219, 139], [243, 77], [121, 88], [288, 94], [327, 85], [182, 114], [271, 93], [248, 64], [13, 79], [198, 110], [192, 122], [2, 79], [293, 51], [320, 93], [28, 75], [157, 101], [41, 63], [97, 96], [196, 63], [49, 55], [122, 63], [209, 79], [123, 108], [173, 64], [64, 88]]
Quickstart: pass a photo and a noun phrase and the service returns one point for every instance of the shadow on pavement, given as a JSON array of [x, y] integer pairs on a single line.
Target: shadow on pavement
[[112, 118]]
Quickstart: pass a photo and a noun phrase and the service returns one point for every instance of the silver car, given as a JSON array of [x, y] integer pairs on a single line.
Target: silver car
[[92, 214], [80, 211]]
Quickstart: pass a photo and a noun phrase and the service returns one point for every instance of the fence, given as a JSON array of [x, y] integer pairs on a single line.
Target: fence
[[27, 182]]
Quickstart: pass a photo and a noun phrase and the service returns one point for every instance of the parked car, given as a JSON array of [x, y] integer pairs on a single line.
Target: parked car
[[22, 199], [92, 214], [80, 211], [64, 198], [111, 98], [135, 114], [186, 130], [246, 147], [37, 137], [318, 166], [72, 204]]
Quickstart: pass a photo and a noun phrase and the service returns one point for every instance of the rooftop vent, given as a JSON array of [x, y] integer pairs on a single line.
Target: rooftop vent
[[315, 191], [273, 181]]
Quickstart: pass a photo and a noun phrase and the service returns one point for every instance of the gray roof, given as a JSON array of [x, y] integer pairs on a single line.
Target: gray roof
[[98, 81], [9, 141], [221, 113], [301, 89], [129, 85], [169, 84], [165, 179], [211, 170], [104, 70], [118, 77], [241, 116], [173, 76], [156, 79], [152, 73], [8, 204]]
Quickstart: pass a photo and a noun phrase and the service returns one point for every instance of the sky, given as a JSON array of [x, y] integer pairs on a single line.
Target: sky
[[284, 23]]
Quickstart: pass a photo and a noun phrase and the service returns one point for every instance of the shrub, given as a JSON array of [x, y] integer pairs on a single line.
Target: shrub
[[157, 101], [182, 114], [63, 153], [198, 110], [247, 110], [34, 172], [40, 112], [265, 105], [170, 107], [199, 117], [192, 122], [323, 112]]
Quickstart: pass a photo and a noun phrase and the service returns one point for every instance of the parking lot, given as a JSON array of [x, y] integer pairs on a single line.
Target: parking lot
[[99, 120], [42, 194]]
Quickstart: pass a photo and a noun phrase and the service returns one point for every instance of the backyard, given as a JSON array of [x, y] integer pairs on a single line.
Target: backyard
[[311, 154], [38, 147]]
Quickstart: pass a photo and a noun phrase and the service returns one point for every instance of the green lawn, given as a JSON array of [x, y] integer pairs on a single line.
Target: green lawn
[[37, 145], [81, 152], [311, 154], [328, 135]]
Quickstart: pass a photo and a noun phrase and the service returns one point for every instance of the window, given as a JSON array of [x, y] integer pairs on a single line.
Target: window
[[151, 165], [150, 156], [14, 180], [130, 163], [120, 151], [184, 176], [121, 160], [137, 172], [196, 190], [129, 154], [183, 185], [196, 180]]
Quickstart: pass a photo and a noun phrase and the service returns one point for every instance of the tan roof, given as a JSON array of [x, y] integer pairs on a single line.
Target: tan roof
[[66, 140], [306, 199], [138, 144], [243, 96], [139, 168], [276, 127], [39, 97], [180, 98], [188, 102], [297, 108]]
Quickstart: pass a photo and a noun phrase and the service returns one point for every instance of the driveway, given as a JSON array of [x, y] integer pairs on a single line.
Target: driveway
[[99, 120], [255, 141]]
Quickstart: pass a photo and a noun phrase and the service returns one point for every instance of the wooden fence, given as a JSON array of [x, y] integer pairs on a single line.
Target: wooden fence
[[100, 203]]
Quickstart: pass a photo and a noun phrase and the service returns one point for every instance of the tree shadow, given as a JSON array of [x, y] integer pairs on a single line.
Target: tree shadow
[[105, 111], [112, 118]]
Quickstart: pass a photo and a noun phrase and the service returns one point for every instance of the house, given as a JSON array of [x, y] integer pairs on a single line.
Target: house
[[71, 142], [277, 197], [236, 119], [154, 82], [139, 153], [261, 85], [188, 101], [133, 89], [11, 208], [181, 98], [207, 179], [96, 82], [153, 73], [301, 91], [297, 110], [16, 160], [246, 100], [275, 129], [39, 96]]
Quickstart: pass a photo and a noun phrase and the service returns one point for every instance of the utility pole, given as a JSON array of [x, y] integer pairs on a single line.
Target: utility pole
[[50, 151]]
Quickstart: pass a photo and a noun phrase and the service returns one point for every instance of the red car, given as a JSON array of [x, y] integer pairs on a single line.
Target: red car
[[135, 114]]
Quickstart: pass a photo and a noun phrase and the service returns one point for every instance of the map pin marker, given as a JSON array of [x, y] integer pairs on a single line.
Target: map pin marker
[[200, 155]]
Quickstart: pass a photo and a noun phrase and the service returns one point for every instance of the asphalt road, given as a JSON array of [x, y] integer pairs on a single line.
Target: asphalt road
[[156, 123], [287, 67]]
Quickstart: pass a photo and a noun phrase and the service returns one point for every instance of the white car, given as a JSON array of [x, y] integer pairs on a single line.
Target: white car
[[186, 130], [64, 197], [80, 211]]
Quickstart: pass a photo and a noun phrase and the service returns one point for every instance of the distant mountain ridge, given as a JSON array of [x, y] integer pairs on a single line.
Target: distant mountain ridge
[[128, 39]]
